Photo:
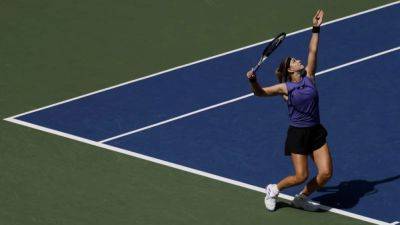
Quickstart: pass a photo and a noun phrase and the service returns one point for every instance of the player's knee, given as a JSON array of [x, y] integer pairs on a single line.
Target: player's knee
[[325, 174], [301, 177]]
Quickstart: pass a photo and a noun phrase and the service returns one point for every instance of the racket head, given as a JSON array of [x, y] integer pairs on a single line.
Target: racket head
[[273, 45]]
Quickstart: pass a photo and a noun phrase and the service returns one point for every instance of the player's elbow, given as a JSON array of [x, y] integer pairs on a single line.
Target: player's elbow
[[260, 93], [257, 93]]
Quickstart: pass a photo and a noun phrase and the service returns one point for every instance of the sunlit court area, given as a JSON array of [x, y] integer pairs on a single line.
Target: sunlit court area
[[149, 112]]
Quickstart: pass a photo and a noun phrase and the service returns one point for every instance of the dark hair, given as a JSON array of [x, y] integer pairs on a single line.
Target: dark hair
[[282, 72]]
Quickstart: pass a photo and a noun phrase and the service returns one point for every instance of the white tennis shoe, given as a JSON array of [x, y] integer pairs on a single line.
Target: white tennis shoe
[[270, 197], [300, 201]]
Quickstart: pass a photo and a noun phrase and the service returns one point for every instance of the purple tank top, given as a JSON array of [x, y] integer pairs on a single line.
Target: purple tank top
[[303, 103]]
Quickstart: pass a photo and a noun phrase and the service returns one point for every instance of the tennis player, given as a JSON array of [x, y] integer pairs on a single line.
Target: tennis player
[[305, 136]]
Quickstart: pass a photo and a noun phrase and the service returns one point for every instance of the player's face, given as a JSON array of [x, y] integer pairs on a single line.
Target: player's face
[[295, 65]]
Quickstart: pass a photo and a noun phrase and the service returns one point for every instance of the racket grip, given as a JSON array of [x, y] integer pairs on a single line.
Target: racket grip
[[254, 69]]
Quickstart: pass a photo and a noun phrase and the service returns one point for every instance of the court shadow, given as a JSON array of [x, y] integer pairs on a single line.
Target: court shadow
[[287, 204], [347, 194]]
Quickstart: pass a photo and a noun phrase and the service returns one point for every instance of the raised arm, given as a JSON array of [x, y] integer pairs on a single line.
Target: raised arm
[[313, 48], [278, 89]]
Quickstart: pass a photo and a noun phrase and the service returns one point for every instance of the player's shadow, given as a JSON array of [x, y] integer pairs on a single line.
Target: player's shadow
[[283, 203], [348, 193]]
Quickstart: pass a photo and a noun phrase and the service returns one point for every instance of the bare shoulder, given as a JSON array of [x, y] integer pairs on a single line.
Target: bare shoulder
[[310, 75]]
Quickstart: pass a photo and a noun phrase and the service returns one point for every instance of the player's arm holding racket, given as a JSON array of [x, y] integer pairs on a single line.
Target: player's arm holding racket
[[278, 89], [313, 47]]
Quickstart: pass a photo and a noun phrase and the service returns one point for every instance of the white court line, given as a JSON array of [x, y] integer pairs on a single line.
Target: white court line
[[177, 118], [202, 60], [241, 97], [188, 169]]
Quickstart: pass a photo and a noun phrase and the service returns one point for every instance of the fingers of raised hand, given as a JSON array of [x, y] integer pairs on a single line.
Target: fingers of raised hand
[[317, 20], [320, 14], [317, 14]]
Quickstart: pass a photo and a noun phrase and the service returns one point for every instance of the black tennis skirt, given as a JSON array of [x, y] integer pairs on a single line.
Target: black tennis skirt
[[305, 140]]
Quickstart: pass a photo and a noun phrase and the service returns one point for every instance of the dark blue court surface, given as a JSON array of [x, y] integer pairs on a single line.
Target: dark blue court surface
[[244, 140]]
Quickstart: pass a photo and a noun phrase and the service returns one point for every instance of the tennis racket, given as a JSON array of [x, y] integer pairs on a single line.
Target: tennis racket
[[269, 49]]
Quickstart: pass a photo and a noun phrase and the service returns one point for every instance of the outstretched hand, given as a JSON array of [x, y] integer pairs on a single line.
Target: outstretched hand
[[317, 20]]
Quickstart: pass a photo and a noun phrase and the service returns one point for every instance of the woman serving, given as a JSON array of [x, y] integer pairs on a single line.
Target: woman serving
[[305, 136]]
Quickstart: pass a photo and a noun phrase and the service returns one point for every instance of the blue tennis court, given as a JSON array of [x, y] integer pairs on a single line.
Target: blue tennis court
[[243, 139]]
